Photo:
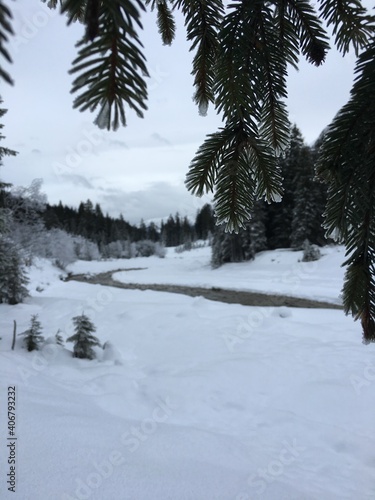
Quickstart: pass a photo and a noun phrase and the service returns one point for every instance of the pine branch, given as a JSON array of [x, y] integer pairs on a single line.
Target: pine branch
[[313, 38], [234, 195], [202, 21], [352, 25], [288, 42], [74, 9], [110, 68], [266, 170], [165, 20], [5, 30], [346, 162], [52, 4], [274, 125], [238, 82], [203, 169]]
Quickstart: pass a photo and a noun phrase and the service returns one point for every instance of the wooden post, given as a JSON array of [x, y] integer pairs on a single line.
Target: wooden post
[[14, 334]]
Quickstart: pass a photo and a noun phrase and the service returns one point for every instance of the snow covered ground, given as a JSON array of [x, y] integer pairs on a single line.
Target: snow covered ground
[[193, 399]]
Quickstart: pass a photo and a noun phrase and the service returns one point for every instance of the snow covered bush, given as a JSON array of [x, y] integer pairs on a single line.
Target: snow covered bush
[[33, 337], [146, 248], [60, 247], [310, 252], [111, 353], [85, 249], [83, 339]]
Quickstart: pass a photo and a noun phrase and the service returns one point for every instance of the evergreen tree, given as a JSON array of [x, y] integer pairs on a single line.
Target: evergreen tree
[[204, 222], [279, 215], [231, 247], [152, 232], [257, 229], [309, 199], [83, 339], [14, 278], [59, 339], [33, 336]]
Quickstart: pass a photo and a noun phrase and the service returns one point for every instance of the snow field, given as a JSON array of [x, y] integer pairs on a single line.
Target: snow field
[[191, 399]]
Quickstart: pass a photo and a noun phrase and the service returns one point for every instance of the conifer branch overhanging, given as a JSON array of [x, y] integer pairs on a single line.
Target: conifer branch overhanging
[[5, 30], [111, 66], [347, 164]]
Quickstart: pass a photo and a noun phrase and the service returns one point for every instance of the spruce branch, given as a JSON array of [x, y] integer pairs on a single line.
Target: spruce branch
[[111, 68], [274, 123], [202, 21], [203, 169], [346, 162], [313, 38], [165, 20], [5, 30], [352, 25]]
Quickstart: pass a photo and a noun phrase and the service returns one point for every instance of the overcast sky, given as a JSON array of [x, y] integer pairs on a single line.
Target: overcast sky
[[140, 169]]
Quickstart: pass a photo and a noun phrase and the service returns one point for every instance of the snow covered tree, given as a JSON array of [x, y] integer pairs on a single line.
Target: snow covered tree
[[4, 210], [13, 277], [83, 339], [310, 252], [28, 229], [33, 336]]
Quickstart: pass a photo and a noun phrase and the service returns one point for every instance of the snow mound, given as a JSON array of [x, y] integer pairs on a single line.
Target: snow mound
[[111, 353]]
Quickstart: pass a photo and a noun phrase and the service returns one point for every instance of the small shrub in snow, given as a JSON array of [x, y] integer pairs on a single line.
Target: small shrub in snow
[[83, 339], [146, 248], [111, 353], [58, 337], [310, 252], [160, 250], [33, 336], [185, 247]]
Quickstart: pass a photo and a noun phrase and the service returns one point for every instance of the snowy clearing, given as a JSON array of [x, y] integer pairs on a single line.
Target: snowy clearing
[[191, 399]]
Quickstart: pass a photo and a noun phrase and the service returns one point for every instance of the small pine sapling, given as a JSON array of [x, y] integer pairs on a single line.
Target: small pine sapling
[[59, 339], [83, 339], [33, 336]]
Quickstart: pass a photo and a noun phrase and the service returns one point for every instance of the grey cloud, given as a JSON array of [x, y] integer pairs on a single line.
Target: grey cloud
[[160, 139], [156, 202], [77, 180]]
